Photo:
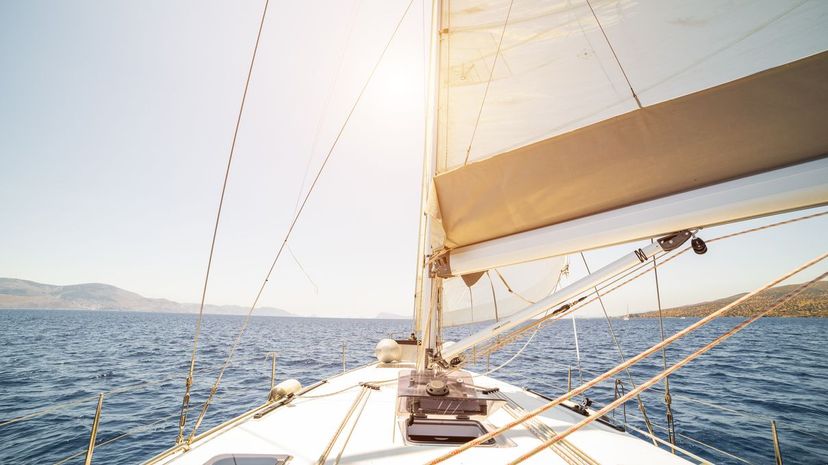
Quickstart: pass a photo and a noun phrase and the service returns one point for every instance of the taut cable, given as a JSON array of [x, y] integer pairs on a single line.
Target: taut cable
[[296, 216], [185, 403]]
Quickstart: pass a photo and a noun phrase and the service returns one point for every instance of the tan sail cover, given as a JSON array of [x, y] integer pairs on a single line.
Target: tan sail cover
[[727, 89]]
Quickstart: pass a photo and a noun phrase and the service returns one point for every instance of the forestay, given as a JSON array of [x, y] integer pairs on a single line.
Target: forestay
[[595, 106]]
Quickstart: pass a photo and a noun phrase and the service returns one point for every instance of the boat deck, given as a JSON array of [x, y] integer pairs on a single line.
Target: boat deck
[[342, 422]]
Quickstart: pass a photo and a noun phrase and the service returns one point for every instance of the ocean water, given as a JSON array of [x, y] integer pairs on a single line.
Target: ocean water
[[776, 369]]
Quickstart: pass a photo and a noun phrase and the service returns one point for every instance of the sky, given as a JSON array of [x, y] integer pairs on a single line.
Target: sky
[[116, 120]]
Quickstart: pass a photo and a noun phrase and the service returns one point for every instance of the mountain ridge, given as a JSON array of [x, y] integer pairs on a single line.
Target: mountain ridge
[[811, 303], [23, 294]]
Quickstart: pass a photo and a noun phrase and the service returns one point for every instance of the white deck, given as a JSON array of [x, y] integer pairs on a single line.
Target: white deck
[[304, 427]]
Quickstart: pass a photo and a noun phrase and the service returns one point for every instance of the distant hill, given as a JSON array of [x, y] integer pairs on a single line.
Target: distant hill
[[813, 302], [22, 294], [391, 316]]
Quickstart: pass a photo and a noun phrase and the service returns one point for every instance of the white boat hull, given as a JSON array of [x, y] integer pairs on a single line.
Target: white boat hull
[[305, 427]]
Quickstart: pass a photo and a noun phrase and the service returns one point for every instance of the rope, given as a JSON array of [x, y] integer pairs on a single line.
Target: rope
[[107, 394], [185, 403], [618, 368], [117, 438], [328, 96], [668, 407], [703, 444], [351, 432], [488, 82], [768, 226], [509, 288], [661, 441], [293, 225], [655, 379], [516, 355], [640, 402], [67, 404], [577, 349], [537, 329], [494, 296], [362, 394], [302, 269]]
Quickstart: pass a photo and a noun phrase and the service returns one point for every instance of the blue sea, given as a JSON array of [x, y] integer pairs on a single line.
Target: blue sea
[[774, 370]]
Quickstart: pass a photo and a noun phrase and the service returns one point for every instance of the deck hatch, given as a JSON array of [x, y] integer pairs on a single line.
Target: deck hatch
[[444, 431], [249, 459]]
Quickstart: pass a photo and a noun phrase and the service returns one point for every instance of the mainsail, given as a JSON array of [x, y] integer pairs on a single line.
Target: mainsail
[[550, 112]]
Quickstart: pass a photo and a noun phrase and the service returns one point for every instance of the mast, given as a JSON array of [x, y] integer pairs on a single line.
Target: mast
[[426, 307], [591, 131]]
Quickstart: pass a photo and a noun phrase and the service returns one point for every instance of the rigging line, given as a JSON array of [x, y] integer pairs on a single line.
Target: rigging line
[[189, 382], [703, 444], [661, 441], [471, 303], [646, 353], [293, 225], [353, 427], [116, 438], [655, 379], [537, 329], [577, 349], [768, 226], [671, 426], [494, 297], [517, 354], [354, 14], [64, 405], [647, 268], [489, 81], [302, 268], [615, 55], [508, 288], [640, 402], [362, 393]]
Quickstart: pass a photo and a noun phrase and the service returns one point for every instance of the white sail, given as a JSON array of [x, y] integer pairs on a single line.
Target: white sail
[[500, 292], [596, 106]]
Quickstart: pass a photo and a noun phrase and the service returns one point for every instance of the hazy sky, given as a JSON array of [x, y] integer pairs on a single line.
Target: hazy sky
[[116, 120]]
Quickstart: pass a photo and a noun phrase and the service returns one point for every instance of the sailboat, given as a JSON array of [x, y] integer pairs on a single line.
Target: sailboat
[[554, 128]]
